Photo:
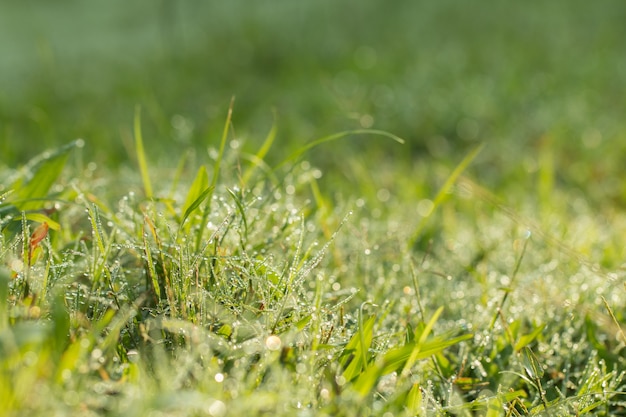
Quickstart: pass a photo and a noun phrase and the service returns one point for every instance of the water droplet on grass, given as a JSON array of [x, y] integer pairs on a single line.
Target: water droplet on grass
[[217, 409], [425, 207], [273, 342]]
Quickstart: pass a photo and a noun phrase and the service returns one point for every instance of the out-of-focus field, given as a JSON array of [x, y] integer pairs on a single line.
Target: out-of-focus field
[[442, 75]]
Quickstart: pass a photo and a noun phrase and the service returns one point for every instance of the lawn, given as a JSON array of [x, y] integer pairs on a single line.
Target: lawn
[[312, 208]]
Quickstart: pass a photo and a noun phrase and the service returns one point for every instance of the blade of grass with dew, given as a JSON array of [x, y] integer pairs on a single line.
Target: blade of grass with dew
[[141, 154], [615, 321], [163, 276], [443, 192], [216, 173], [151, 268], [535, 372], [518, 263], [242, 212], [100, 267]]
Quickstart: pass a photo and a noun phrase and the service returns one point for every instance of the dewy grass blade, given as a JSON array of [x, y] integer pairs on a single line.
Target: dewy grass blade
[[518, 263], [151, 268], [100, 262], [141, 154], [615, 321], [443, 191], [241, 209]]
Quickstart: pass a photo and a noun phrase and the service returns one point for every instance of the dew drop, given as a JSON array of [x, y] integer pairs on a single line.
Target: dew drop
[[217, 409], [273, 342]]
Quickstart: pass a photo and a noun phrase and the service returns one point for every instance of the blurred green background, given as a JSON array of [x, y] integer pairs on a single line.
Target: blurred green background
[[445, 75]]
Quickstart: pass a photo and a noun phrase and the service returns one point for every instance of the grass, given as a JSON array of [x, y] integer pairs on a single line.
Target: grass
[[204, 265]]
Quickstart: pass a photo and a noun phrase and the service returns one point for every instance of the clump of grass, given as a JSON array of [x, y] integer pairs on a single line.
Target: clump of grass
[[239, 288]]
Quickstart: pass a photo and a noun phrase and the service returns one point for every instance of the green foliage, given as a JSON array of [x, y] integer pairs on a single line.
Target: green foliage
[[192, 267], [28, 191], [121, 296]]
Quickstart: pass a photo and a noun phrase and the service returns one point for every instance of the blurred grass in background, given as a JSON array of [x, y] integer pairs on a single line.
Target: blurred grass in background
[[444, 75]]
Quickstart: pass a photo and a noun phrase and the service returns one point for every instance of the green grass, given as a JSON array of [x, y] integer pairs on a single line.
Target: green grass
[[398, 239]]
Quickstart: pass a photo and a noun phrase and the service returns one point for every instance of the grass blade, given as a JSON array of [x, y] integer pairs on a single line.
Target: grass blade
[[528, 338], [398, 358], [414, 399], [36, 178], [198, 188], [241, 209], [195, 204], [416, 350], [294, 156], [494, 407], [356, 349]]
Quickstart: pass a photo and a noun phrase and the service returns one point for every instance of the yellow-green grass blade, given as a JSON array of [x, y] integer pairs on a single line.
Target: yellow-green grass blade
[[31, 188], [356, 349], [295, 155], [199, 188]]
